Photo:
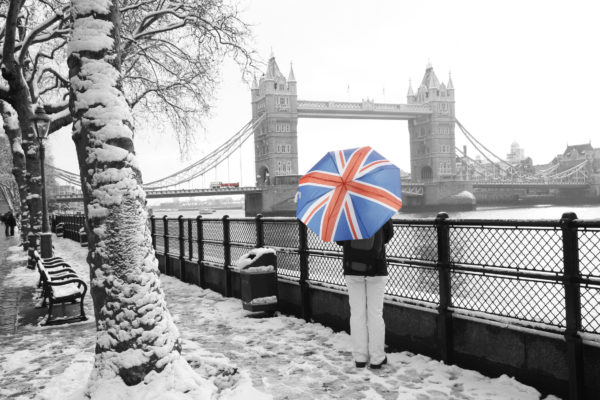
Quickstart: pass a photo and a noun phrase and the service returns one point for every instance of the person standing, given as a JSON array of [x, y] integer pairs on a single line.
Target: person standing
[[10, 222], [365, 271], [3, 220]]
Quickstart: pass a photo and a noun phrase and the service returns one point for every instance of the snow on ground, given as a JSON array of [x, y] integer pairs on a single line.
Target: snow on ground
[[245, 358]]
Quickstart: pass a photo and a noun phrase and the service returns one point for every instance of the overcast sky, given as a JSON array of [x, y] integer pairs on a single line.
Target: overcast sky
[[524, 71]]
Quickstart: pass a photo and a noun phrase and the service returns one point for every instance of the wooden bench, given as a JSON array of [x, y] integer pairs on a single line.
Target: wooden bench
[[60, 285], [50, 263]]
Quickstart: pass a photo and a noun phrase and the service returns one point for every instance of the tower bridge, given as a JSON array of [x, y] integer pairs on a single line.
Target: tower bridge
[[430, 112]]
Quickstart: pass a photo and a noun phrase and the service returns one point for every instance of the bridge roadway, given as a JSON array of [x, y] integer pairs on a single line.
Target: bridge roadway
[[168, 193], [529, 185], [409, 189]]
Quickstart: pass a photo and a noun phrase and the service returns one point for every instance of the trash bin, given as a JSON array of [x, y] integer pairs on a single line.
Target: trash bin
[[83, 237], [60, 229], [258, 280]]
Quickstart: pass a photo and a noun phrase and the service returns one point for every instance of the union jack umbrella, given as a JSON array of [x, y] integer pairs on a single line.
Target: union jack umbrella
[[349, 194]]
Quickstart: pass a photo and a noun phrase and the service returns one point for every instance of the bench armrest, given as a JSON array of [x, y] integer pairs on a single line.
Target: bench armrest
[[78, 281]]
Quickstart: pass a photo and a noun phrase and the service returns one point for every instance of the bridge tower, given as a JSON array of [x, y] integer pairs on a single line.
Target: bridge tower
[[275, 138], [432, 142]]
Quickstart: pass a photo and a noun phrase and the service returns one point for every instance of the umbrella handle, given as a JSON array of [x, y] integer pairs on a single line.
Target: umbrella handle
[[297, 196]]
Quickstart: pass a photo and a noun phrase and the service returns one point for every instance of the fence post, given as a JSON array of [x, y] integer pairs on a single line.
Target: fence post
[[70, 226], [190, 239], [260, 231], [572, 305], [200, 251], [166, 242], [181, 239], [79, 225], [303, 250], [443, 266], [226, 255], [153, 231]]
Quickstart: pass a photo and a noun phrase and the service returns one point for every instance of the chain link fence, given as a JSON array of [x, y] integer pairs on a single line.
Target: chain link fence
[[513, 270]]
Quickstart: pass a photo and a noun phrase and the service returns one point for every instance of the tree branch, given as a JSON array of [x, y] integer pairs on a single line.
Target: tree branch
[[64, 82], [135, 6], [56, 107], [31, 37], [60, 119], [8, 52], [50, 56]]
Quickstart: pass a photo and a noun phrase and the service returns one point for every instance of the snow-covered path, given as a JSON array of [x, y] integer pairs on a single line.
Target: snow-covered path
[[248, 358]]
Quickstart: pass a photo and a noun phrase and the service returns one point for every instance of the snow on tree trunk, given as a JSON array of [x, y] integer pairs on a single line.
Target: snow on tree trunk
[[13, 132], [136, 338], [19, 97]]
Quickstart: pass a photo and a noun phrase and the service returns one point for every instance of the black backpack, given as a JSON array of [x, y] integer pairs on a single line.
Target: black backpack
[[365, 254]]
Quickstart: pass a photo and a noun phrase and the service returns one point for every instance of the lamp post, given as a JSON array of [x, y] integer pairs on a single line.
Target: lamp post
[[41, 123]]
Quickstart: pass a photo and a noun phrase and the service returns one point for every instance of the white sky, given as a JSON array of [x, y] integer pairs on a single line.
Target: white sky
[[523, 71]]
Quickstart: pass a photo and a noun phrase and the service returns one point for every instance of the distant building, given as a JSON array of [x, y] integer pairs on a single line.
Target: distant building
[[516, 155], [576, 154]]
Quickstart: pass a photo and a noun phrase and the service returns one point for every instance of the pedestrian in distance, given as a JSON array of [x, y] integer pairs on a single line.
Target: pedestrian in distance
[[10, 222], [3, 220], [365, 271]]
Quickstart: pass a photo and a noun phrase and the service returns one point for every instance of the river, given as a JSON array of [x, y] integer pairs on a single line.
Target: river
[[529, 212]]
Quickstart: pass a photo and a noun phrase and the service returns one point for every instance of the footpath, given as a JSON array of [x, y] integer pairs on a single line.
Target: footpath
[[248, 358], [9, 296]]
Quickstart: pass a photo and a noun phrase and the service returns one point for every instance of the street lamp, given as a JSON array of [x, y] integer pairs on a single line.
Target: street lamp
[[41, 123]]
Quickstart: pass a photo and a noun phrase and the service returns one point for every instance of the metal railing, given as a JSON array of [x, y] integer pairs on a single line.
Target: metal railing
[[72, 225], [544, 274], [515, 269], [539, 276]]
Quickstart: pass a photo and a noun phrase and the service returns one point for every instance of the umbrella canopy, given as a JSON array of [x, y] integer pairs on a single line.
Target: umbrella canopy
[[349, 194]]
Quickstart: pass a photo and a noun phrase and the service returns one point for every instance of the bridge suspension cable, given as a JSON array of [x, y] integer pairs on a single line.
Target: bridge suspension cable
[[67, 176], [198, 168], [209, 161], [478, 146], [478, 168], [577, 172], [549, 171]]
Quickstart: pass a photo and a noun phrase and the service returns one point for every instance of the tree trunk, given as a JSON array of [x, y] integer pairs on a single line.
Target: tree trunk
[[136, 333], [13, 131], [19, 97]]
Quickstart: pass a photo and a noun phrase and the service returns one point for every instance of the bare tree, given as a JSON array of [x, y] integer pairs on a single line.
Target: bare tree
[[170, 54], [125, 284], [136, 333], [13, 132], [20, 92], [8, 187]]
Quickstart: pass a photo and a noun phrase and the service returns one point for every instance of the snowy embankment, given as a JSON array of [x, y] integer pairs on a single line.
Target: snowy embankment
[[241, 357]]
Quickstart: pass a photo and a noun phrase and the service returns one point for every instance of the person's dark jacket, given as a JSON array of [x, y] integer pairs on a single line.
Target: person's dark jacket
[[371, 261], [10, 220]]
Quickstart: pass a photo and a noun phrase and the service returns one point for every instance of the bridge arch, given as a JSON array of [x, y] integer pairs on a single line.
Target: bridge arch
[[263, 177], [426, 174], [429, 111]]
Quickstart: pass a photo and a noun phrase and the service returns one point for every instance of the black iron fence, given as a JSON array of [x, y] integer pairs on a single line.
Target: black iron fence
[[540, 275], [72, 225], [543, 273]]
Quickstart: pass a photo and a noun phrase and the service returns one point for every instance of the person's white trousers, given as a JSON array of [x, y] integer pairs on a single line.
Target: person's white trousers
[[367, 329]]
